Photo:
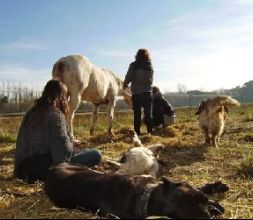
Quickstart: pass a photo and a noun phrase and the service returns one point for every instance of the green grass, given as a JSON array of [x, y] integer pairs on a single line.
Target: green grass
[[187, 159], [246, 166], [7, 138]]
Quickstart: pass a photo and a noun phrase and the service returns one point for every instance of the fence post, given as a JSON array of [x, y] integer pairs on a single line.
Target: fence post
[[190, 104]]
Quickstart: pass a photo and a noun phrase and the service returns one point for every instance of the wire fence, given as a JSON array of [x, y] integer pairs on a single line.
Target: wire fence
[[21, 100]]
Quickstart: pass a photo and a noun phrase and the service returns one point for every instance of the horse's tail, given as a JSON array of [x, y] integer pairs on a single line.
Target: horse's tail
[[57, 71]]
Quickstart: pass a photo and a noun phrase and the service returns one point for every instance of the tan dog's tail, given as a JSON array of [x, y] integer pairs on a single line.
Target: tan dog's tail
[[225, 101]]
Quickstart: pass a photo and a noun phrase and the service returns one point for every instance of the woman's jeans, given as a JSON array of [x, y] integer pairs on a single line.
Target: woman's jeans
[[86, 157], [142, 100], [36, 167]]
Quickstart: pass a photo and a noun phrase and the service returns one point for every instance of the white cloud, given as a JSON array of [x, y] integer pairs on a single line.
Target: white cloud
[[205, 50], [24, 45], [112, 53], [26, 77]]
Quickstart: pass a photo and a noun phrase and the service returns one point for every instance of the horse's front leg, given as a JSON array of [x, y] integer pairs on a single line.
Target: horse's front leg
[[93, 118], [110, 114]]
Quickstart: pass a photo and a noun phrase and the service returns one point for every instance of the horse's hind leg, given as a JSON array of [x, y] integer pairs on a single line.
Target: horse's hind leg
[[110, 114], [73, 105], [93, 118]]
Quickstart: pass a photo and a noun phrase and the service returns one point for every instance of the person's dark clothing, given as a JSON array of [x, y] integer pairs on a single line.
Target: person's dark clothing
[[160, 108], [142, 100], [39, 147], [140, 75]]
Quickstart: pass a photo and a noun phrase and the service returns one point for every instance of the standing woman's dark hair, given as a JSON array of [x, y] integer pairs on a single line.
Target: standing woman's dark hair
[[140, 75], [142, 56]]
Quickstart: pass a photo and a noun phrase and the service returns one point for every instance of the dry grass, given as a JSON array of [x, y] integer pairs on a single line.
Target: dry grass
[[186, 159]]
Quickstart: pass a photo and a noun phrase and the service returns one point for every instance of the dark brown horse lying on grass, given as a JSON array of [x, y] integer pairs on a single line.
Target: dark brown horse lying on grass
[[73, 186]]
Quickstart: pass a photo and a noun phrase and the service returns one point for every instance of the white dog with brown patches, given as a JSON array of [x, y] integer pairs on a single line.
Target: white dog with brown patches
[[140, 160]]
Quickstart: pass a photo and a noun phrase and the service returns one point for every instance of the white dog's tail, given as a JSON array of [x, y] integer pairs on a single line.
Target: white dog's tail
[[226, 101]]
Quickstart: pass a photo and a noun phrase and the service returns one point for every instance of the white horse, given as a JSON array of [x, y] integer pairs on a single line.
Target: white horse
[[87, 82]]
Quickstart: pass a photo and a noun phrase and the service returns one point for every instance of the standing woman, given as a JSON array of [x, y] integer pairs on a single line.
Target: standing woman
[[140, 75], [44, 137]]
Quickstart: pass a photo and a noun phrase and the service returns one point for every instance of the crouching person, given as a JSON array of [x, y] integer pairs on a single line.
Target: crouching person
[[44, 138], [162, 113]]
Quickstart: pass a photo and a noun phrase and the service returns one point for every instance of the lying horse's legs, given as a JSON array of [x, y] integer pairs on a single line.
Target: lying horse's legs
[[110, 114], [93, 118]]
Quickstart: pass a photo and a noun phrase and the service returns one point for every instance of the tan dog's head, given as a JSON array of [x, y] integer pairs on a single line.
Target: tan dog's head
[[202, 107]]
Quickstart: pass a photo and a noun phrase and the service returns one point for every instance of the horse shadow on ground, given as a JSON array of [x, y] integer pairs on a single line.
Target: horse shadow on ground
[[123, 135], [126, 135]]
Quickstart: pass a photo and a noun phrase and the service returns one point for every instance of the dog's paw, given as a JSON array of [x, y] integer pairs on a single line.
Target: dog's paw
[[215, 208], [212, 188]]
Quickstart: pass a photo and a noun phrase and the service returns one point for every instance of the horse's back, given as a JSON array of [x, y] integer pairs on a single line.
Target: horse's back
[[74, 71], [101, 87]]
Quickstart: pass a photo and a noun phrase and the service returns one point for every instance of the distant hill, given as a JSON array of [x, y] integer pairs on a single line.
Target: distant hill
[[243, 94]]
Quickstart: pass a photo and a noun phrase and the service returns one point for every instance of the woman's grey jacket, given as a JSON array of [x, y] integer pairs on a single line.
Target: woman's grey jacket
[[50, 137], [140, 76]]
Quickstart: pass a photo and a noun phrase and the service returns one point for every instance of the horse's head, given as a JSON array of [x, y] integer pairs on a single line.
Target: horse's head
[[180, 200]]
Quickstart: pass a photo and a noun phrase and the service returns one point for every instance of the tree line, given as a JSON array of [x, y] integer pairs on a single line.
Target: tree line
[[15, 98]]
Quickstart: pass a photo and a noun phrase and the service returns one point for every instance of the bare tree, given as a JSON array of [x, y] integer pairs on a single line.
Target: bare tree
[[181, 88]]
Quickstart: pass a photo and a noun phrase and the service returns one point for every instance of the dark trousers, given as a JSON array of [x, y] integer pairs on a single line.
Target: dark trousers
[[143, 100]]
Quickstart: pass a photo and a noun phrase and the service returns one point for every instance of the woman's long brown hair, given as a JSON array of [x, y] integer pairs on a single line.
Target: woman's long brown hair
[[54, 95], [143, 56]]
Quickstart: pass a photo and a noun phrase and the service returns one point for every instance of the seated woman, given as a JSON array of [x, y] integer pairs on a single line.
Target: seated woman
[[44, 138], [162, 113]]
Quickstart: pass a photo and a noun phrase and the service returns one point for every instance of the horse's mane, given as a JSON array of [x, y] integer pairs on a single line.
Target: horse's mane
[[117, 79]]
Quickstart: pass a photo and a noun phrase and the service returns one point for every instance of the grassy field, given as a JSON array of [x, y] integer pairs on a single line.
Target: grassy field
[[187, 159]]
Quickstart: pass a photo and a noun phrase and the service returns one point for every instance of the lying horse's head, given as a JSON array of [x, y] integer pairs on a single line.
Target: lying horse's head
[[180, 200]]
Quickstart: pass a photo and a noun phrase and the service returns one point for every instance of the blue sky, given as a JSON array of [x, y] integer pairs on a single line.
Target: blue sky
[[201, 44]]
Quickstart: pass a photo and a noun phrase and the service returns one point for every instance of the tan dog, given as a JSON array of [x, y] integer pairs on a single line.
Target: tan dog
[[212, 114]]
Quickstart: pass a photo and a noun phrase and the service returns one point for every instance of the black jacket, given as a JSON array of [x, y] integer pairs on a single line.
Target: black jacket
[[140, 75], [160, 107]]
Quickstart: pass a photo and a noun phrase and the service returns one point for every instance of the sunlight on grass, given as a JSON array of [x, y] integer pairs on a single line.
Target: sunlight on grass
[[7, 138], [186, 158]]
